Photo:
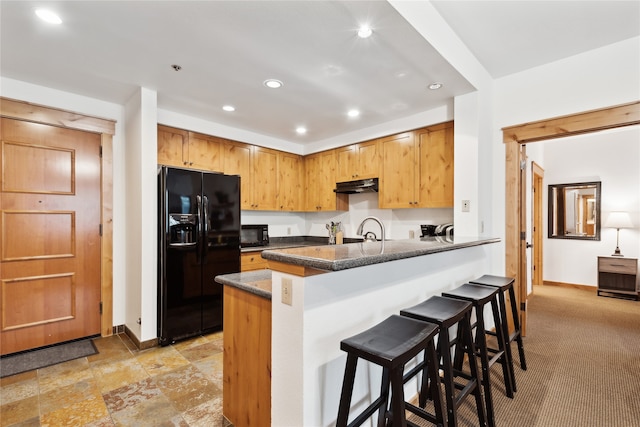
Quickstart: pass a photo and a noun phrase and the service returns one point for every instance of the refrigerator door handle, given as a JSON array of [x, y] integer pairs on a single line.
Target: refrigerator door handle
[[205, 226], [199, 234]]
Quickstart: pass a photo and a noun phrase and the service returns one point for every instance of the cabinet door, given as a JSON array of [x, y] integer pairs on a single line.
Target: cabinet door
[[265, 179], [237, 161], [250, 261], [171, 143], [320, 181], [398, 175], [368, 156], [326, 181], [435, 149], [346, 163], [205, 152], [290, 182]]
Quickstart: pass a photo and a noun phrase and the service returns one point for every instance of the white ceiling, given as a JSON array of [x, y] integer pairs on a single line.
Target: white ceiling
[[108, 49]]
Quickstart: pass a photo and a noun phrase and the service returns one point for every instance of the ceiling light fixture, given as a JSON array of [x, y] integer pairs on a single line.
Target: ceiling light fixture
[[273, 83], [435, 86], [364, 31], [353, 113], [301, 130], [229, 108], [48, 16]]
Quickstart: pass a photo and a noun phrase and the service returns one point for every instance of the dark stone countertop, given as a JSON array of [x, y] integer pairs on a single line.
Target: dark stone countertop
[[353, 255], [257, 282], [341, 257], [294, 242]]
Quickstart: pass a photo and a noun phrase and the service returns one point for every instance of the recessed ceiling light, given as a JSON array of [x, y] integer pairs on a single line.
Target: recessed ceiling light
[[435, 86], [228, 108], [301, 130], [273, 83], [48, 16], [353, 113], [364, 31]]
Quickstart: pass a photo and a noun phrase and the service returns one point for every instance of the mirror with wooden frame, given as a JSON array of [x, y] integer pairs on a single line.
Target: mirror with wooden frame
[[574, 211]]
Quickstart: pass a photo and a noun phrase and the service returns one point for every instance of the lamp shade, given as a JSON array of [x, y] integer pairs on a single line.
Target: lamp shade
[[618, 220]]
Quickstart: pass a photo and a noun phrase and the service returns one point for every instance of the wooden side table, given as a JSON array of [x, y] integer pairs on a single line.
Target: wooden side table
[[618, 277]]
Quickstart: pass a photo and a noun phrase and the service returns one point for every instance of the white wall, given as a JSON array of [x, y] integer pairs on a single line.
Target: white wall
[[611, 157], [142, 212], [596, 79]]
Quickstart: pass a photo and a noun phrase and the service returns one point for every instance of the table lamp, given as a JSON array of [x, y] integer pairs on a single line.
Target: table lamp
[[618, 220]]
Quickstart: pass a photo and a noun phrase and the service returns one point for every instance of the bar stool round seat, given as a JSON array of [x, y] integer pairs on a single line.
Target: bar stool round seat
[[479, 296], [391, 344], [448, 312], [506, 285]]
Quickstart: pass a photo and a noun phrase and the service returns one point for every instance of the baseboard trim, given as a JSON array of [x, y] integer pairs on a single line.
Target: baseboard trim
[[118, 329], [570, 285], [141, 345]]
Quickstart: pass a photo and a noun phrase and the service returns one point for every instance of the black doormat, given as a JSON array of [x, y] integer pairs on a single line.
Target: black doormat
[[29, 360]]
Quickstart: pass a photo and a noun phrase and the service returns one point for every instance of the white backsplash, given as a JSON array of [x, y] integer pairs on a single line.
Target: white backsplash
[[399, 223]]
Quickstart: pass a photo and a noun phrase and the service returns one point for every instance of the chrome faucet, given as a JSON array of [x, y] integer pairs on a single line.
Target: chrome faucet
[[372, 218]]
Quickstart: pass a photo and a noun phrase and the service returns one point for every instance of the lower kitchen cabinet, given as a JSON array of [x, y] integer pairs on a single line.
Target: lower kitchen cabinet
[[246, 391], [252, 261], [618, 276]]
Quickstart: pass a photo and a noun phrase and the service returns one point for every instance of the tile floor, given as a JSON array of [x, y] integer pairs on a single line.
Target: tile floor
[[177, 385]]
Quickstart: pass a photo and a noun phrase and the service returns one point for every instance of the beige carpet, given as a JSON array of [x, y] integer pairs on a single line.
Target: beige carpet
[[583, 364]]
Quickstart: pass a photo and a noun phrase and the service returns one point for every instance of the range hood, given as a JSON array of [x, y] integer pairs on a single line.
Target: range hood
[[360, 186]]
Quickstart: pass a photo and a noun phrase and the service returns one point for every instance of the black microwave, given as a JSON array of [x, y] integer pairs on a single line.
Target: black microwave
[[254, 235]]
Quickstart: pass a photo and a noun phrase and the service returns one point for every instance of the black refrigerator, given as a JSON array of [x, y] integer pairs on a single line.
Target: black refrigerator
[[199, 238]]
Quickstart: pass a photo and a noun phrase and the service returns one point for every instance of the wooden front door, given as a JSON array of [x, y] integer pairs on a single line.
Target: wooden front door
[[49, 235]]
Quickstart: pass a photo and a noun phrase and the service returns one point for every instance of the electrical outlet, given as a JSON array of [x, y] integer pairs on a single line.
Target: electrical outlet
[[466, 205], [288, 231], [287, 296], [412, 234]]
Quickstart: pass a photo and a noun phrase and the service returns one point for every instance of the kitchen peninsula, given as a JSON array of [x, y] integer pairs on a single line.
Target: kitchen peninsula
[[318, 296]]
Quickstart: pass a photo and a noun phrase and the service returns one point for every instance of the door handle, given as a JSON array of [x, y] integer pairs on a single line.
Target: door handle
[[529, 245]]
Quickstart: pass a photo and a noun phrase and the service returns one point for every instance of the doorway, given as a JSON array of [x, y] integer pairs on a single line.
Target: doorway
[[28, 114], [537, 188], [544, 130]]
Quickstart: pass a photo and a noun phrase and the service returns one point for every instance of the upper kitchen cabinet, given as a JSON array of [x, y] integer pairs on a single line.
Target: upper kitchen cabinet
[[264, 162], [180, 148], [290, 182], [236, 160], [320, 172], [257, 167], [417, 168], [205, 152], [436, 166], [358, 161], [171, 145], [397, 187]]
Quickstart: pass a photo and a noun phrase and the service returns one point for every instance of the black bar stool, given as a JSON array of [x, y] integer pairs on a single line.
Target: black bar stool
[[447, 312], [506, 284], [479, 296], [391, 344]]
